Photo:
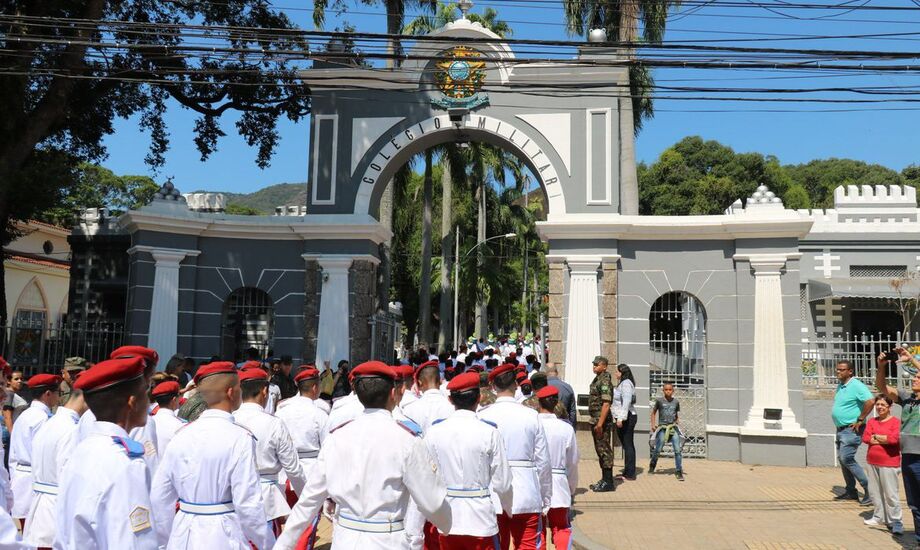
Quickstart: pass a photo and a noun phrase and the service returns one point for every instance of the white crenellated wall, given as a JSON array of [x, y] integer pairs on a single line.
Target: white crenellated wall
[[881, 208]]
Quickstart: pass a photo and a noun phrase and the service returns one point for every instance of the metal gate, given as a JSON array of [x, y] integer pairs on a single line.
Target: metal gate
[[384, 332], [677, 346], [248, 322]]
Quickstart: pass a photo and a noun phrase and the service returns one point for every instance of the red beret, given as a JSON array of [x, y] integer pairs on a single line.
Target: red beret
[[306, 373], [40, 380], [548, 391], [404, 371], [252, 365], [250, 374], [5, 367], [373, 368], [110, 372], [218, 367], [512, 355], [168, 387], [463, 382], [476, 368], [499, 370], [521, 377], [426, 364], [148, 354]]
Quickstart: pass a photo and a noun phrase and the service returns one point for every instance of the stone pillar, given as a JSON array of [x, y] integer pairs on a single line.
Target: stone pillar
[[771, 381], [556, 314], [313, 288], [164, 308], [333, 333], [582, 335], [609, 309], [362, 280]]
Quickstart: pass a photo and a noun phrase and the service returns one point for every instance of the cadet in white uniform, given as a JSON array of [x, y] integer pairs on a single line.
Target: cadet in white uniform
[[210, 469], [44, 389], [370, 467], [104, 498], [344, 410], [525, 448], [164, 418], [563, 457], [471, 458], [307, 424], [274, 449], [432, 405], [53, 446], [146, 434]]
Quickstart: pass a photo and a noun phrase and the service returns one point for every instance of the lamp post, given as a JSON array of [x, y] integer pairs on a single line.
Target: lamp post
[[457, 260]]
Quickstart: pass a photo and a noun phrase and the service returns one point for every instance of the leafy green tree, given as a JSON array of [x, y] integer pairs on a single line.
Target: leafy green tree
[[621, 19], [821, 177], [99, 187], [64, 88], [242, 210]]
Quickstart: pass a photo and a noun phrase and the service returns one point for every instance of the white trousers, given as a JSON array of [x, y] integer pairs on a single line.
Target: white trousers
[[883, 490]]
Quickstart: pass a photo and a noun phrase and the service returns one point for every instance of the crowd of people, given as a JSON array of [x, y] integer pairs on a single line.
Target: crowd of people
[[467, 450], [893, 445]]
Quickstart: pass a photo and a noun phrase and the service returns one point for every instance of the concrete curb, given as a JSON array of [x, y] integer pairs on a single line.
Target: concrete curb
[[581, 541]]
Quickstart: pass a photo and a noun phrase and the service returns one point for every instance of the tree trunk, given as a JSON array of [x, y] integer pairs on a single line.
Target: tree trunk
[[447, 258], [424, 298], [629, 181], [482, 327]]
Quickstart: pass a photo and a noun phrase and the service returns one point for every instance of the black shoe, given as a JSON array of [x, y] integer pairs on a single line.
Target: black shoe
[[680, 476], [865, 500], [603, 487], [595, 484], [848, 496], [651, 466]]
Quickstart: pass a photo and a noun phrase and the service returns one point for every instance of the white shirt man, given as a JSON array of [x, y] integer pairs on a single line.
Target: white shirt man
[[432, 405], [164, 418], [392, 464], [44, 388], [525, 448], [104, 495], [275, 449], [210, 468], [471, 458], [53, 446], [344, 410], [563, 457], [307, 424]]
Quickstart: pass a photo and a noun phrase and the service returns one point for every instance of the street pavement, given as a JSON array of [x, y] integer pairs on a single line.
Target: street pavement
[[724, 505]]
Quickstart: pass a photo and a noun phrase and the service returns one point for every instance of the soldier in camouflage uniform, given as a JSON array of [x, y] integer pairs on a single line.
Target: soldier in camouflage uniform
[[73, 366], [486, 394], [599, 400]]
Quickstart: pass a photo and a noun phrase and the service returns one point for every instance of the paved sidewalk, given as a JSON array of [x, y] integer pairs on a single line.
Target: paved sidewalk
[[725, 505]]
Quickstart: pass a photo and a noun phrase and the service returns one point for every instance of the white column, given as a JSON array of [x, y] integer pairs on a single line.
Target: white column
[[582, 333], [333, 331], [771, 381], [164, 309]]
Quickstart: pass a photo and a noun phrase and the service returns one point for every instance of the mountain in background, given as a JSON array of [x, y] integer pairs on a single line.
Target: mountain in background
[[265, 200]]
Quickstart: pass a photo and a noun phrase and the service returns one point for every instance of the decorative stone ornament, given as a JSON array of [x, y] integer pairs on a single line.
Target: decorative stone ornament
[[596, 36], [169, 193]]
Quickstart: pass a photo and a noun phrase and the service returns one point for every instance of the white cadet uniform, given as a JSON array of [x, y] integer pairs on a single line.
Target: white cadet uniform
[[211, 471], [52, 448], [275, 452], [563, 458], [525, 448], [409, 396], [167, 424], [306, 423], [104, 498], [9, 534], [471, 457], [145, 435], [24, 430], [274, 396], [370, 467], [431, 406], [344, 410]]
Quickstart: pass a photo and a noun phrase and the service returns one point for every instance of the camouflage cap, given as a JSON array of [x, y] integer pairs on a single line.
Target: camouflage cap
[[600, 359], [75, 363]]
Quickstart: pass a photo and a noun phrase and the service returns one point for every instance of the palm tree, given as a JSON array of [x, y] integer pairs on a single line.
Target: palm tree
[[620, 18]]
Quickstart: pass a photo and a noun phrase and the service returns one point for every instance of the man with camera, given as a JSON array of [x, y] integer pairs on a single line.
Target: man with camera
[[910, 426]]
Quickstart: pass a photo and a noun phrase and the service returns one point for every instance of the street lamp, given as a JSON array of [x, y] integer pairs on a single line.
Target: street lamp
[[457, 260]]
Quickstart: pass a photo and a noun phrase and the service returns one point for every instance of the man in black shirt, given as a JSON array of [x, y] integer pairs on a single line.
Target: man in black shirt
[[281, 376]]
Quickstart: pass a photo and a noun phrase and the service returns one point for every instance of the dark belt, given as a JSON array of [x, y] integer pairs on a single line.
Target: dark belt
[[841, 428]]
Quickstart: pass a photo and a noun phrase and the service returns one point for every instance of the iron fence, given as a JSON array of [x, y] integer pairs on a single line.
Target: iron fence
[[34, 349], [385, 329], [679, 358], [821, 355]]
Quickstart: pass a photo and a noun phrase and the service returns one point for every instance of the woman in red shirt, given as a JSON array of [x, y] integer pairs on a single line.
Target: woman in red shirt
[[884, 458]]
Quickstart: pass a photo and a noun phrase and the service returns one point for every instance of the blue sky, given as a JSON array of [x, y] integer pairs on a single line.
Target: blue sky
[[887, 137]]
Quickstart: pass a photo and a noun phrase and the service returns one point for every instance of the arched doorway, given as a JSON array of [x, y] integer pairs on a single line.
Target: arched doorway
[[247, 322], [677, 346]]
